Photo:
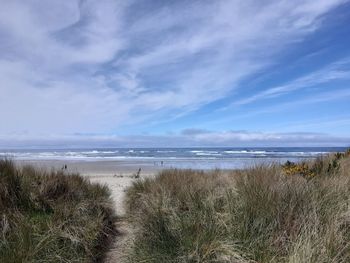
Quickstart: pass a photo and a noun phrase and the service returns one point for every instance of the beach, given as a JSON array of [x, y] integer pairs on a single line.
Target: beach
[[117, 167], [97, 167], [256, 187], [175, 131], [118, 176]]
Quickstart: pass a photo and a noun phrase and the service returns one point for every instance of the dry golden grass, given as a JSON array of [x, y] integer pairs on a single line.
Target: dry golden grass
[[254, 215]]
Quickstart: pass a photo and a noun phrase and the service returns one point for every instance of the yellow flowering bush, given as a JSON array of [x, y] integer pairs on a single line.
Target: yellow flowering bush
[[326, 165], [303, 169]]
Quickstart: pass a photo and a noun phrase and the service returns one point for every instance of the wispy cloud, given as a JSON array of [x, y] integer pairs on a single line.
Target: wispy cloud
[[284, 108], [332, 72], [315, 124], [94, 66]]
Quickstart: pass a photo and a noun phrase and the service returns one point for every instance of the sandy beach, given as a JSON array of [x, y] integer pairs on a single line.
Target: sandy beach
[[118, 176]]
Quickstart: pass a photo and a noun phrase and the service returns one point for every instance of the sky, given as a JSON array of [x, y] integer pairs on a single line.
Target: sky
[[161, 73]]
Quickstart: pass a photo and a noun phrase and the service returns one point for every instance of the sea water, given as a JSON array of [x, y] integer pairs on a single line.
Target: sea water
[[195, 158]]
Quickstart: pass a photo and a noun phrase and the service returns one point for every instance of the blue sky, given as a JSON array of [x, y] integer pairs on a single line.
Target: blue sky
[[174, 73]]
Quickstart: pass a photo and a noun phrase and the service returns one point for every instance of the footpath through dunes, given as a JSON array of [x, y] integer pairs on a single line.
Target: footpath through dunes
[[296, 212], [48, 184], [118, 185], [119, 249]]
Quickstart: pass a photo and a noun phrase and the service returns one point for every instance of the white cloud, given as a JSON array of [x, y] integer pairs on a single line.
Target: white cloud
[[322, 97], [93, 66], [327, 74], [316, 124], [192, 138]]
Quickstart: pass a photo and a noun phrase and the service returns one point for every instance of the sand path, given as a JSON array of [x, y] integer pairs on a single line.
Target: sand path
[[118, 185], [123, 242], [118, 177]]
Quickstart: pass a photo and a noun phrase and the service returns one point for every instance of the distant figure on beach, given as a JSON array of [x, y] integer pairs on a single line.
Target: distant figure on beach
[[138, 173], [65, 167], [161, 163]]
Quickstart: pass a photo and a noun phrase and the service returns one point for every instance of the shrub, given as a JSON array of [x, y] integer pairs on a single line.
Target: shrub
[[323, 166]]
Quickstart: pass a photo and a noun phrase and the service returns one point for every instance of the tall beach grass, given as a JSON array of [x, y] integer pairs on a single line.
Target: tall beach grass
[[52, 216], [264, 214]]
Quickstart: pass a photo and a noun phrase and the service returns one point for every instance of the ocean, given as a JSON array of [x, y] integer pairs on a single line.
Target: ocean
[[194, 158]]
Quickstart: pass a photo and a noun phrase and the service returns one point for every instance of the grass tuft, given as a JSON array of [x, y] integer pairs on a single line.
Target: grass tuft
[[52, 217], [261, 214]]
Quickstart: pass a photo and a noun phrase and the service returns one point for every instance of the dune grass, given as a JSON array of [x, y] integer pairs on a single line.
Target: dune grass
[[52, 217], [263, 214]]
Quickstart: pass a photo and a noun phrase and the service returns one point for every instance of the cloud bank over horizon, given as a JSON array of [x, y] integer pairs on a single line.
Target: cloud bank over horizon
[[108, 72], [186, 138]]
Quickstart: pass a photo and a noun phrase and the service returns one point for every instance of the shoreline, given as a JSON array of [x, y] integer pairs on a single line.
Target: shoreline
[[98, 168]]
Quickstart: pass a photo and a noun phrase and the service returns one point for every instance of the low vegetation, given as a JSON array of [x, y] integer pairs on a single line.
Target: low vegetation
[[322, 166], [52, 217], [293, 213]]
